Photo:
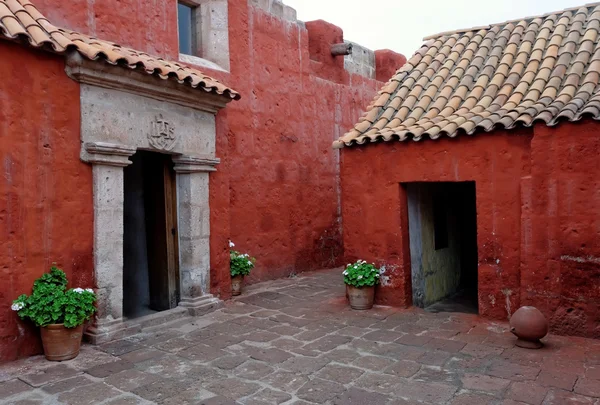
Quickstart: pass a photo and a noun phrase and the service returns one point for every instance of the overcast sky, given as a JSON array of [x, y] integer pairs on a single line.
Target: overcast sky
[[401, 25]]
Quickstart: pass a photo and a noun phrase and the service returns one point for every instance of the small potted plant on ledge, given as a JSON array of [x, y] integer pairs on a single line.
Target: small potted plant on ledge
[[59, 312], [240, 266], [361, 278]]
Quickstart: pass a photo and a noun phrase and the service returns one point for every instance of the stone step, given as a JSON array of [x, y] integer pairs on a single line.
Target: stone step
[[161, 319]]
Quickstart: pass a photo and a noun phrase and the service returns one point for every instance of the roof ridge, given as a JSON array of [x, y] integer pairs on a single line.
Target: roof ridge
[[528, 18]]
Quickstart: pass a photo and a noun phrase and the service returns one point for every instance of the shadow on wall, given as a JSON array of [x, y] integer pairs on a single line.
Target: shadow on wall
[[443, 243]]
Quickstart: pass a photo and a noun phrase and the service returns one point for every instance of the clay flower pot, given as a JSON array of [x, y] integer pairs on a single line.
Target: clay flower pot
[[529, 325], [360, 298], [61, 343], [236, 285]]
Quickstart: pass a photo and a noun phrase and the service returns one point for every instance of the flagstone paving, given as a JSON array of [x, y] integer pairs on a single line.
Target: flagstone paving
[[295, 341]]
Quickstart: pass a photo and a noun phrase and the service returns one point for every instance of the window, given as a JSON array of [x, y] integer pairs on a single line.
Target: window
[[203, 31], [186, 20]]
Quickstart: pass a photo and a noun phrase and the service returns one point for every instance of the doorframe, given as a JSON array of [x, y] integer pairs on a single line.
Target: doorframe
[[121, 111], [172, 229], [406, 262]]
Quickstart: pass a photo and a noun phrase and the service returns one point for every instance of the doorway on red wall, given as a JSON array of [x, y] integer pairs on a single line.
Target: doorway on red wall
[[443, 245], [150, 240]]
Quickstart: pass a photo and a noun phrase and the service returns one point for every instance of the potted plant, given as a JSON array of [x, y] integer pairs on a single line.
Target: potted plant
[[361, 278], [59, 312], [240, 265]]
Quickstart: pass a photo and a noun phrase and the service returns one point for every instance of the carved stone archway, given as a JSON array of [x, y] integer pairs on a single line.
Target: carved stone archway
[[125, 111]]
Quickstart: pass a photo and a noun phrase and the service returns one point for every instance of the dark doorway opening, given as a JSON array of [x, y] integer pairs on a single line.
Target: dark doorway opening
[[442, 220], [150, 248]]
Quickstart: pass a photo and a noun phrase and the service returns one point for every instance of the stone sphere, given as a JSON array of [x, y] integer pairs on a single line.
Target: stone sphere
[[528, 323]]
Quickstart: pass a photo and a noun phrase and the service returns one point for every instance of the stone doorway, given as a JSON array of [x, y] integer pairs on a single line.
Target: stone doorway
[[150, 240], [125, 120], [443, 245]]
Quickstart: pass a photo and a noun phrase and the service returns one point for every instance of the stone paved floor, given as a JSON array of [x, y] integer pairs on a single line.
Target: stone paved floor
[[295, 341]]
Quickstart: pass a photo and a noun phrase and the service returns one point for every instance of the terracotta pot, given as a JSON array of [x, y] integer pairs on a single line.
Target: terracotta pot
[[529, 325], [360, 297], [236, 285], [61, 343]]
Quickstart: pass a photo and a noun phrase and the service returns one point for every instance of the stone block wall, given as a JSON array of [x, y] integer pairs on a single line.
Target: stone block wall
[[276, 8], [361, 62]]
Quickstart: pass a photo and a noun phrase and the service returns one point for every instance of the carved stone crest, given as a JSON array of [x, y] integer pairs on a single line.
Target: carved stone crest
[[162, 134]]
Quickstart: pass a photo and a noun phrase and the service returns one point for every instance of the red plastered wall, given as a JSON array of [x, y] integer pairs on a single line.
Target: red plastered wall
[[46, 211], [538, 216], [276, 193]]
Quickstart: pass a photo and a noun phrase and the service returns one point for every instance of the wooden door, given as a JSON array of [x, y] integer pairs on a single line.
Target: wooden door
[[161, 231]]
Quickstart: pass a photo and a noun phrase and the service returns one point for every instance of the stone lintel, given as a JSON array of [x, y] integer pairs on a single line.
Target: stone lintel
[[195, 164], [108, 154], [201, 305], [132, 81]]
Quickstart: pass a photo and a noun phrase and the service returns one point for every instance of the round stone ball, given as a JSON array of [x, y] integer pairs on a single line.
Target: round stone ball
[[528, 323]]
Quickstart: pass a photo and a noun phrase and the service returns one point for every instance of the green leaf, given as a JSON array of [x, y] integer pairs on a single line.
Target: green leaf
[[50, 302], [361, 274]]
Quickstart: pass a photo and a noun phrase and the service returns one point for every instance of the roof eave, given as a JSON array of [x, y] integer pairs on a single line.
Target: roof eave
[[131, 80]]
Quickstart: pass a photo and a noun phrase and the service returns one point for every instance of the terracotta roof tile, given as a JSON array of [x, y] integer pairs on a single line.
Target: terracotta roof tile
[[20, 20], [535, 69]]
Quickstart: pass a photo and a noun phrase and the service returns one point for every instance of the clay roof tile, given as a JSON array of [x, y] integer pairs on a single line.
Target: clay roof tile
[[544, 68], [20, 18]]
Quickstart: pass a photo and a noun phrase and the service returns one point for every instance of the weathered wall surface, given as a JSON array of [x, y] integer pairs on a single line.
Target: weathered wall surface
[[560, 228], [279, 170], [538, 216], [376, 219], [147, 25], [45, 190], [276, 192], [439, 269]]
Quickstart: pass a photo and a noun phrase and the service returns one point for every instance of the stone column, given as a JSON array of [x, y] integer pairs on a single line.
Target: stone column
[[194, 233], [108, 161]]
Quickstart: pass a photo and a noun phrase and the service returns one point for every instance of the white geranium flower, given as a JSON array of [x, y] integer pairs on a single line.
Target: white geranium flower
[[359, 277], [345, 272], [89, 290], [78, 290], [17, 306], [231, 244], [249, 263]]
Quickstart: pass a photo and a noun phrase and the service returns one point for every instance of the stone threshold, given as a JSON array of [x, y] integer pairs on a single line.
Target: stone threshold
[[128, 327]]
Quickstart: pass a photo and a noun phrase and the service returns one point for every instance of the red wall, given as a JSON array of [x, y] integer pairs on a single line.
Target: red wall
[[145, 25], [279, 177], [538, 216], [560, 228], [276, 192], [45, 190]]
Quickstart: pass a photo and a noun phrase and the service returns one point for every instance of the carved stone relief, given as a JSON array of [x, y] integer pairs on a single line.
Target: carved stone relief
[[162, 135]]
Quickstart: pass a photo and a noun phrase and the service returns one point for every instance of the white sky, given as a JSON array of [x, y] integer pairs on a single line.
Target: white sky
[[401, 25]]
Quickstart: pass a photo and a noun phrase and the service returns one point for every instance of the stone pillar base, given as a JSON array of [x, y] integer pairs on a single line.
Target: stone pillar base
[[103, 332], [201, 305]]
